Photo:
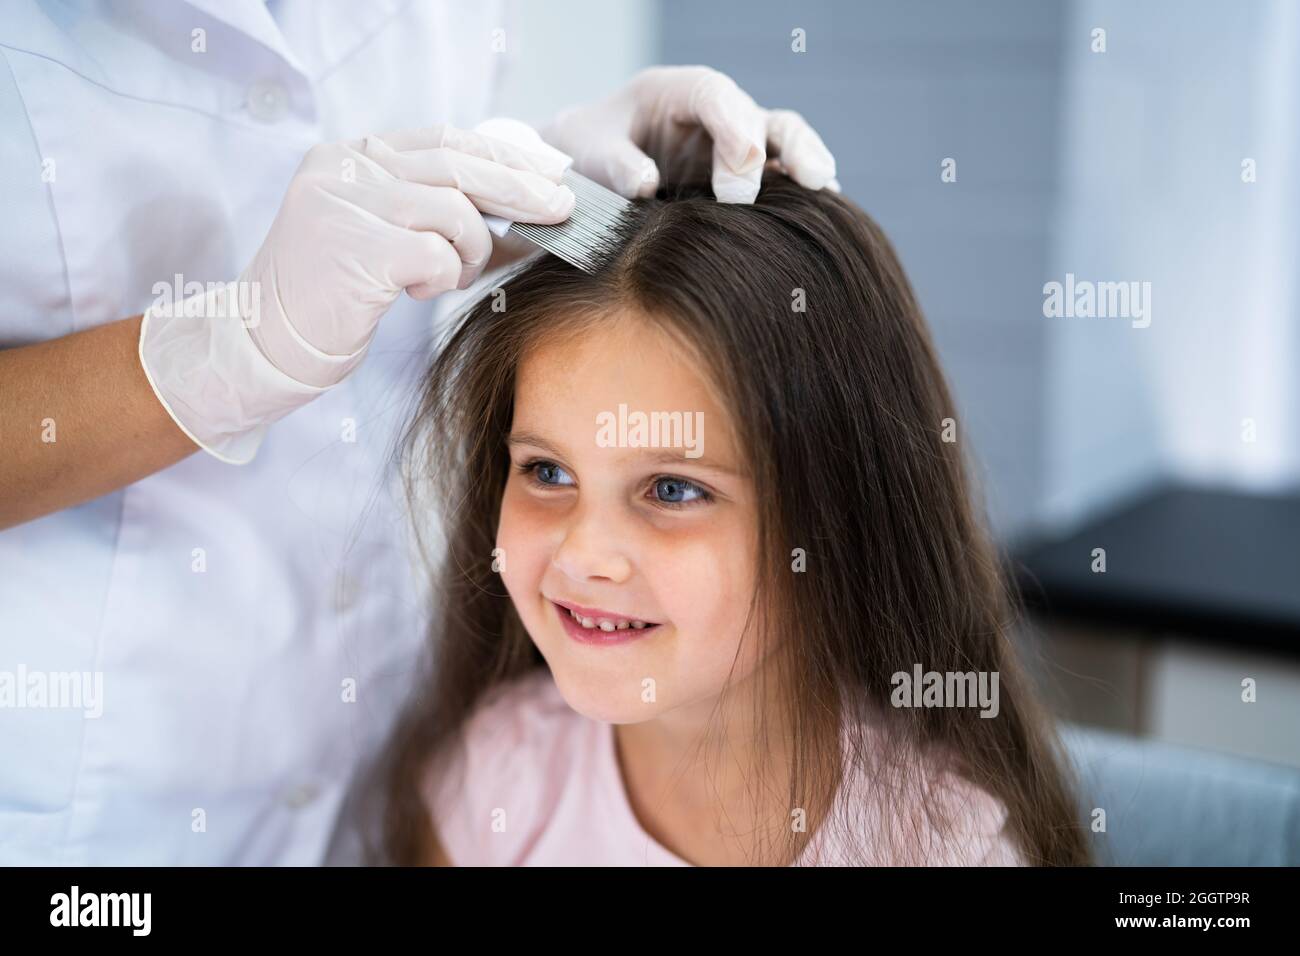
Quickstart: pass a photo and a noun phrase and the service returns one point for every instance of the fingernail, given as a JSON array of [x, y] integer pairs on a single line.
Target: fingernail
[[649, 182], [753, 159], [731, 188], [562, 201], [824, 167]]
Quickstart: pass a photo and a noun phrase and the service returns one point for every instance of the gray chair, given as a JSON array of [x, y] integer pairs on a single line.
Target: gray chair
[[1176, 806]]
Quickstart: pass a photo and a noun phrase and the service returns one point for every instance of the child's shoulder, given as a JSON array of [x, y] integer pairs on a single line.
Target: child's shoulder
[[487, 792], [971, 825], [519, 709], [927, 813], [964, 824], [516, 717]]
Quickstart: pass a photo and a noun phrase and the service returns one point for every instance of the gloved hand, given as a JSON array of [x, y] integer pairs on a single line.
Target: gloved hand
[[360, 222], [688, 122]]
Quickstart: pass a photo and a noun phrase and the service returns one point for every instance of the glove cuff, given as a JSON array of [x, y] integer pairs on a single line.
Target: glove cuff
[[276, 337], [211, 377]]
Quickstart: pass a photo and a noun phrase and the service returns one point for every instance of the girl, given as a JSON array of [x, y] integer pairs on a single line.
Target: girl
[[685, 645]]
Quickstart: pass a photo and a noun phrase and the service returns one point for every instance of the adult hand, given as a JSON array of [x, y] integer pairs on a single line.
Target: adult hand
[[361, 221], [676, 123]]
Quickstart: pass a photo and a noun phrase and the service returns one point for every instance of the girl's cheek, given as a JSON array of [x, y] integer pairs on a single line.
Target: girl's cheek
[[521, 540], [518, 508], [698, 572]]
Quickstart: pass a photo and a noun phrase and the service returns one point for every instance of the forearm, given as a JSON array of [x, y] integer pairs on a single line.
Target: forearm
[[78, 419]]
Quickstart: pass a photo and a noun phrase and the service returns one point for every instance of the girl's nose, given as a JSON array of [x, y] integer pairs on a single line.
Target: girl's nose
[[592, 550]]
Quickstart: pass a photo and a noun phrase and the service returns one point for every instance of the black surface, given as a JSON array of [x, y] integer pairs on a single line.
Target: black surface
[[1223, 566]]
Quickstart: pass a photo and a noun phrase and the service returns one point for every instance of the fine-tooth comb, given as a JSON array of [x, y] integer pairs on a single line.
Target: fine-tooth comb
[[590, 233]]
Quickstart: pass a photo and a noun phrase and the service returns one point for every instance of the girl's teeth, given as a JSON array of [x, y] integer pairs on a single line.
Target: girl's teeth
[[591, 623]]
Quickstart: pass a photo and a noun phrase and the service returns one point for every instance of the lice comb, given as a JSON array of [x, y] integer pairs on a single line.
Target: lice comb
[[588, 236]]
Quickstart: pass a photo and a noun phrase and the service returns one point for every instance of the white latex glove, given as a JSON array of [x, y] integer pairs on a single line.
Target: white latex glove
[[360, 222], [688, 122], [509, 247]]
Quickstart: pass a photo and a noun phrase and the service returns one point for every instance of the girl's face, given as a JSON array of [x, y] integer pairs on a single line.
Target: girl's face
[[627, 526]]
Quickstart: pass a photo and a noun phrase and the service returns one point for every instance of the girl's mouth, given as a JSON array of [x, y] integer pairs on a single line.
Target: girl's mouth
[[595, 626]]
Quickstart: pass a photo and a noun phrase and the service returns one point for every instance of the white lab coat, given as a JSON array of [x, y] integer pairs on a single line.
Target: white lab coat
[[225, 608]]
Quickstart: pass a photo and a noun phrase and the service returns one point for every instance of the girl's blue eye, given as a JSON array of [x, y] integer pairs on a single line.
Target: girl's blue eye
[[678, 491], [667, 491], [546, 472]]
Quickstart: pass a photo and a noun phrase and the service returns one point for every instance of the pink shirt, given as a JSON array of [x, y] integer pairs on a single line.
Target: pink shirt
[[535, 783]]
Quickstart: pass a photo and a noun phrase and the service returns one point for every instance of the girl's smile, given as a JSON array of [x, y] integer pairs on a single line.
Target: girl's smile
[[599, 627]]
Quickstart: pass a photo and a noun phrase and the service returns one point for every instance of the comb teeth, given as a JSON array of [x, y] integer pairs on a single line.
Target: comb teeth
[[588, 236]]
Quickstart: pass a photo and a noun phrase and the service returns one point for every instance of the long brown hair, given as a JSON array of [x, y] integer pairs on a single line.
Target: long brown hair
[[840, 411]]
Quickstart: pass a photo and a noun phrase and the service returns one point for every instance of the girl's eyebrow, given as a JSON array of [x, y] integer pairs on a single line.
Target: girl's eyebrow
[[528, 438], [656, 456]]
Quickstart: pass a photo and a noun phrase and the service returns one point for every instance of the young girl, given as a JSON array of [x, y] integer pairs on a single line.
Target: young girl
[[692, 645]]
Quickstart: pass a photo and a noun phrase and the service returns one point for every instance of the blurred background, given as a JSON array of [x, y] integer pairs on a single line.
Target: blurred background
[[1141, 473]]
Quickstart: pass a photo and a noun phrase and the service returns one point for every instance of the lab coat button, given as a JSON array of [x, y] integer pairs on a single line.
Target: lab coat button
[[301, 795], [268, 101]]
